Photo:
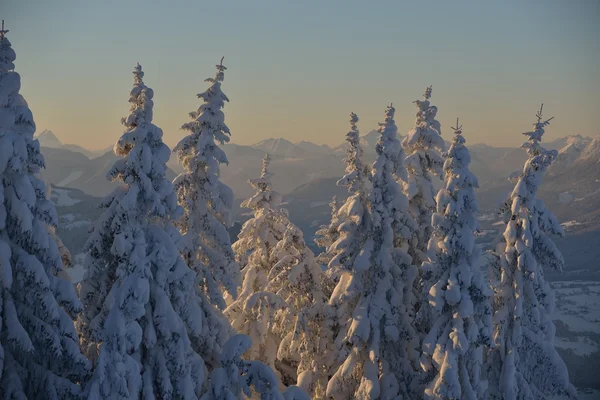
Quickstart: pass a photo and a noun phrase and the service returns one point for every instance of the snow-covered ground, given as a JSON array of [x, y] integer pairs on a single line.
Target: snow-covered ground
[[61, 198], [570, 224], [73, 175], [77, 271], [588, 394], [578, 306]]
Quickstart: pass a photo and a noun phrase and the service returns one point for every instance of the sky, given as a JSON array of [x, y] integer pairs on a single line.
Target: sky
[[296, 69]]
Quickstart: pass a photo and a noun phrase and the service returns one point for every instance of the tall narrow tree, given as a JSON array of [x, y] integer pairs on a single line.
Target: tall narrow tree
[[139, 295], [353, 214], [253, 310], [423, 162], [458, 304], [296, 278], [260, 234], [206, 201], [39, 355], [328, 234], [371, 296], [236, 378], [524, 364]]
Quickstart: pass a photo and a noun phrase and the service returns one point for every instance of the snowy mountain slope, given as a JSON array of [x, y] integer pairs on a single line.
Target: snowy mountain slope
[[47, 138], [570, 153], [75, 210], [284, 148], [314, 148], [577, 317], [289, 171], [275, 146], [75, 170]]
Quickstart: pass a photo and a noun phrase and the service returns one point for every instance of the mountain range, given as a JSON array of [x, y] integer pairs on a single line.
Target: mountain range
[[297, 164], [306, 174]]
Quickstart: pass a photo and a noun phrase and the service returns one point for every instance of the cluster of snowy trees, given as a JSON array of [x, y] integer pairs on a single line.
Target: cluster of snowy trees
[[397, 306]]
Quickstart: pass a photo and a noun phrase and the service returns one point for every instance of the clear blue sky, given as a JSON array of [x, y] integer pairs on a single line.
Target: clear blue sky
[[297, 68]]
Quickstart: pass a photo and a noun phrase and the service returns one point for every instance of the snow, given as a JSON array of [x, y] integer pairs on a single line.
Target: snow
[[77, 271], [456, 311], [73, 175], [578, 305], [62, 198], [595, 192], [206, 201], [580, 346], [68, 221], [525, 363], [570, 224], [142, 308], [373, 295], [423, 162], [39, 354], [588, 394], [565, 197]]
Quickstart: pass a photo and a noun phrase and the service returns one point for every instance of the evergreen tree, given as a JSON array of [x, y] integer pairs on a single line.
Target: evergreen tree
[[373, 296], [260, 234], [458, 303], [524, 364], [39, 355], [423, 162], [328, 234], [235, 378], [351, 215], [138, 293], [252, 312], [296, 279], [206, 201]]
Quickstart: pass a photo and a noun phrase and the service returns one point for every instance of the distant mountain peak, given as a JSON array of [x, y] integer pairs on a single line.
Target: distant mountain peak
[[47, 138], [282, 147], [592, 150], [313, 147]]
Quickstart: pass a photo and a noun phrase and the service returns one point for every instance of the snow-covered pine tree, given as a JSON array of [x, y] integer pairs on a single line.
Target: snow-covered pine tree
[[39, 355], [352, 215], [457, 305], [374, 292], [328, 234], [524, 364], [296, 279], [236, 378], [138, 293], [260, 234], [251, 313], [353, 231], [206, 201], [65, 254], [423, 162]]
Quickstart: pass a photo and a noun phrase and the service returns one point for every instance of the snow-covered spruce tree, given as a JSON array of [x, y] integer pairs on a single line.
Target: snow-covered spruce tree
[[236, 378], [39, 355], [296, 279], [65, 254], [524, 364], [353, 231], [374, 293], [328, 234], [422, 145], [260, 234], [352, 226], [458, 305], [251, 313], [138, 293], [207, 201]]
